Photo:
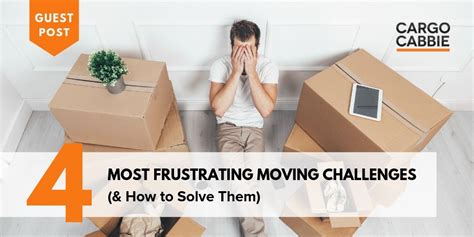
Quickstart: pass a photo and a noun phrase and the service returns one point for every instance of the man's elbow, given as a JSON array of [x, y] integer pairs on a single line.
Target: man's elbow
[[217, 111], [267, 112]]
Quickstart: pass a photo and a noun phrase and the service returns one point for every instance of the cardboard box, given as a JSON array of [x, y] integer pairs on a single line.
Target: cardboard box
[[184, 226], [300, 141], [338, 221], [106, 225], [358, 198], [172, 137], [312, 226], [315, 227], [410, 117], [96, 234], [132, 119]]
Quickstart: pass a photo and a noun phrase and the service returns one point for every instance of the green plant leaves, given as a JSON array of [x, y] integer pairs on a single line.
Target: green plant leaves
[[106, 66]]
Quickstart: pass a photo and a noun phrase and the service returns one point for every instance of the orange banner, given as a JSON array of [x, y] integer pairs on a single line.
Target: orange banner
[[54, 24]]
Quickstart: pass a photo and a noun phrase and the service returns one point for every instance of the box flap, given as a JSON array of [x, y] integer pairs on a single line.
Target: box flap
[[141, 73], [186, 227], [173, 133], [300, 141], [97, 233], [316, 199], [399, 94], [127, 103], [105, 224], [344, 220]]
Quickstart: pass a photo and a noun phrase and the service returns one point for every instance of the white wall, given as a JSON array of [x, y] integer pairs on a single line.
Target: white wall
[[14, 116], [302, 38], [14, 111], [10, 103]]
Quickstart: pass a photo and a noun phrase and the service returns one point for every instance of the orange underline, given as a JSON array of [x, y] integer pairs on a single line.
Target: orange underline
[[422, 49]]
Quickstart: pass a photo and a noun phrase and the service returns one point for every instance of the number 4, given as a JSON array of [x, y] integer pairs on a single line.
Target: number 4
[[73, 197]]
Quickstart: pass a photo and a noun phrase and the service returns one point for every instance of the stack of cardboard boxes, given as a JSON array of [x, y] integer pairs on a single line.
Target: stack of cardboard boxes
[[144, 117], [410, 119]]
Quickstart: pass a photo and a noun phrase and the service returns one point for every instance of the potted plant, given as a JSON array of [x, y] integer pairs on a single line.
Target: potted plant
[[108, 68]]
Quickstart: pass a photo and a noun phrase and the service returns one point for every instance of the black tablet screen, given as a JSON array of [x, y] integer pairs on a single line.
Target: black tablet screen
[[366, 101]]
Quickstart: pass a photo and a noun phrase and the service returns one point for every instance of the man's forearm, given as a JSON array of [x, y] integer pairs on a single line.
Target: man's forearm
[[225, 97], [263, 102]]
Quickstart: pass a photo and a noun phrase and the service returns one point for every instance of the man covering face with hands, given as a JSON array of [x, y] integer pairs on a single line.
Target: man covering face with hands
[[244, 57], [243, 92]]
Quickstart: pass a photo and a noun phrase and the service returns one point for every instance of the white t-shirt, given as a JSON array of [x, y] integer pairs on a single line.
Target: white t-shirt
[[243, 112]]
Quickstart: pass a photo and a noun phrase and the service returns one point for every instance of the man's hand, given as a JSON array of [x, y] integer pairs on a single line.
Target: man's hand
[[221, 95], [251, 56], [237, 60], [263, 95]]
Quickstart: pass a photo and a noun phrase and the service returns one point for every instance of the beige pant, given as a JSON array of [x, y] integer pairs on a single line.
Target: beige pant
[[231, 138]]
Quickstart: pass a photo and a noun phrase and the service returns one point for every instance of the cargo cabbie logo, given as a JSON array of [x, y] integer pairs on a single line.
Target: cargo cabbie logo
[[423, 37]]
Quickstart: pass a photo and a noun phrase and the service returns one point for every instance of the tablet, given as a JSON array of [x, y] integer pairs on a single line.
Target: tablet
[[366, 102]]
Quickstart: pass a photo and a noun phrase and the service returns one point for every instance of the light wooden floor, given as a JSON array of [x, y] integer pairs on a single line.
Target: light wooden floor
[[453, 144]]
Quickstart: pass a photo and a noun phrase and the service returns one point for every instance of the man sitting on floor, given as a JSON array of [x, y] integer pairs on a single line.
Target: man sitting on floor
[[243, 92]]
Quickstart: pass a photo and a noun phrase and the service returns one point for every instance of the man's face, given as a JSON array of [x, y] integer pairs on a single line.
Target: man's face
[[250, 42]]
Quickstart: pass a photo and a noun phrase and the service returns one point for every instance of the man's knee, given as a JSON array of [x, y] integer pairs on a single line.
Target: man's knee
[[255, 141], [229, 146], [228, 138]]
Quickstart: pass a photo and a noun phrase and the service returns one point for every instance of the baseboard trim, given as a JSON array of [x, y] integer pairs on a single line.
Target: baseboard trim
[[18, 127], [282, 104], [286, 104], [38, 104], [193, 104], [458, 105]]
